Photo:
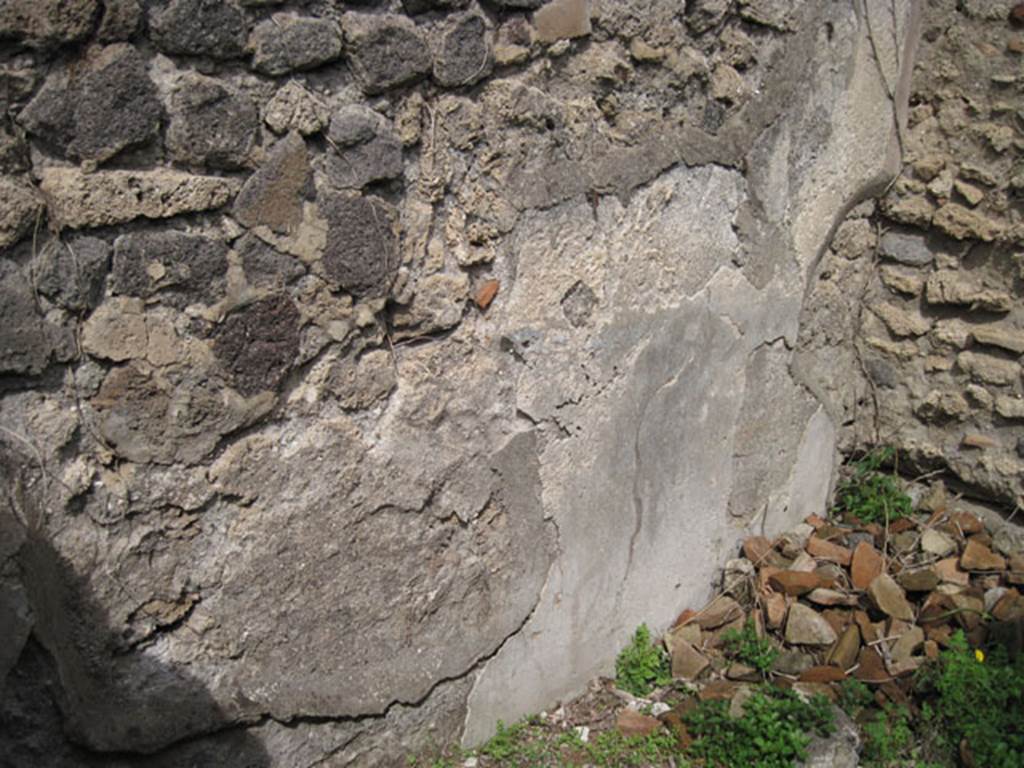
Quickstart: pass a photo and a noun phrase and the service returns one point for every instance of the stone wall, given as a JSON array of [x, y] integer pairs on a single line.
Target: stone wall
[[915, 330], [369, 370]]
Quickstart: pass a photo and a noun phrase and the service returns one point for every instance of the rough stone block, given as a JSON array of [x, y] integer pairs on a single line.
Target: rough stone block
[[288, 43], [293, 108], [361, 256], [988, 369], [463, 54], [257, 343], [47, 23], [211, 124], [25, 344], [909, 248], [562, 19], [179, 268], [78, 199], [199, 28], [120, 21], [272, 197], [116, 331], [72, 274], [265, 266], [385, 51], [97, 109], [20, 207]]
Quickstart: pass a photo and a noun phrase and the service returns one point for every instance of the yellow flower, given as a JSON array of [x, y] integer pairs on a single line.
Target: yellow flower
[[979, 655]]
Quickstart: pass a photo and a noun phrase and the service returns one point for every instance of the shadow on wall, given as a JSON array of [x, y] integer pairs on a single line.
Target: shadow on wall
[[64, 671]]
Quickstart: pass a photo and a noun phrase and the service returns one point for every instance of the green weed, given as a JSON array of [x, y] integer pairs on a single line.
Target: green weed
[[610, 749], [745, 646], [642, 666], [526, 744], [854, 697], [773, 732], [977, 699], [888, 739], [871, 495]]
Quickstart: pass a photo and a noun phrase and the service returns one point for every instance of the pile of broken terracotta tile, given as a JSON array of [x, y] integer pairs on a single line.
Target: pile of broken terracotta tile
[[849, 599]]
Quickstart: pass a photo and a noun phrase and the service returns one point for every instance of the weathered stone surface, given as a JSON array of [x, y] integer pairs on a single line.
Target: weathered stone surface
[[952, 287], [827, 550], [937, 543], [145, 417], [211, 124], [703, 15], [687, 661], [988, 369], [562, 19], [889, 598], [361, 255], [438, 304], [45, 23], [841, 749], [120, 21], [272, 197], [386, 51], [25, 344], [805, 626], [294, 108], [918, 580], [1010, 339], [900, 322], [631, 723], [199, 28], [257, 343], [364, 382], [71, 274], [796, 582], [844, 653], [463, 55], [77, 199], [265, 266], [421, 6], [866, 564], [963, 223], [365, 149], [20, 208], [906, 247], [720, 611], [116, 331], [400, 506], [978, 557], [286, 43], [179, 268], [95, 110]]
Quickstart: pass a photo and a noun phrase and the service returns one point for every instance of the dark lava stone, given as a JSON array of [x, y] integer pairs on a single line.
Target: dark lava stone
[[94, 114], [464, 56], [362, 252], [385, 51], [214, 28], [71, 274], [180, 267], [257, 343]]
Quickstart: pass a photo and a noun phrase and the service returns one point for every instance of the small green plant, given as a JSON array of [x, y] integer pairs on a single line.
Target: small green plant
[[888, 739], [854, 696], [531, 745], [610, 749], [976, 699], [773, 732], [505, 743], [745, 646], [871, 495], [642, 666]]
